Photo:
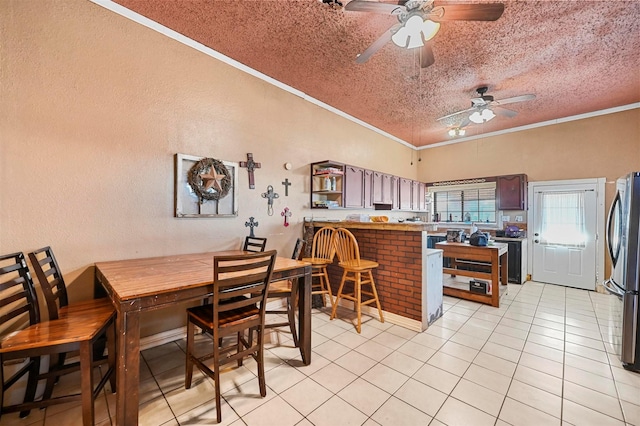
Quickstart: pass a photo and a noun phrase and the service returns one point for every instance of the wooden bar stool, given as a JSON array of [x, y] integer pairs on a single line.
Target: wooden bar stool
[[348, 253], [322, 253]]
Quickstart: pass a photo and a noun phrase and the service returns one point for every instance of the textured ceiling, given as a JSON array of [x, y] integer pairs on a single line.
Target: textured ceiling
[[575, 56]]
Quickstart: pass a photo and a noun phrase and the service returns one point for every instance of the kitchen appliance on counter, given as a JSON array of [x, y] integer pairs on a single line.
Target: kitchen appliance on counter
[[623, 241]]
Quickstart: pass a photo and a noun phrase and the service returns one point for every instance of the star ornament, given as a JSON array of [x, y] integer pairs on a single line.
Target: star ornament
[[212, 179]]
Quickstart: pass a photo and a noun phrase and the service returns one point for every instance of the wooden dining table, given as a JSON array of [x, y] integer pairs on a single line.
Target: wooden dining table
[[139, 285]]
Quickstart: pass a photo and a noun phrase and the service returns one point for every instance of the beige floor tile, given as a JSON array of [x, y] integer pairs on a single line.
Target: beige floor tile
[[539, 380], [495, 364], [402, 363], [546, 331], [364, 396], [577, 414], [385, 378], [154, 412], [336, 411], [389, 340], [507, 339], [488, 379], [479, 397], [518, 414], [421, 396], [350, 340], [631, 413], [594, 400], [437, 378], [374, 350], [459, 351], [542, 364], [595, 367], [457, 413], [333, 377], [331, 350], [468, 340], [544, 351], [550, 342], [283, 377], [275, 411], [501, 351], [449, 363], [429, 340], [355, 362], [396, 412], [402, 332], [628, 393], [417, 351], [586, 352], [591, 381], [536, 398], [306, 396]]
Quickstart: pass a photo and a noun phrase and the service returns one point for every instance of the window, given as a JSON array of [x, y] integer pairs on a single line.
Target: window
[[465, 203], [563, 219]]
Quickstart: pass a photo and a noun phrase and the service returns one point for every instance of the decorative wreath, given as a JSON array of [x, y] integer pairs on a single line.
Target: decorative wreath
[[207, 165]]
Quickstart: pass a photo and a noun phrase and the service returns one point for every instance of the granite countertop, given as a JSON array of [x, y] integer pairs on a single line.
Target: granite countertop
[[390, 226]]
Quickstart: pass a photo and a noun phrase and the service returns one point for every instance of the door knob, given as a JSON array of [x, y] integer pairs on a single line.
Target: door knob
[[536, 241], [536, 234]]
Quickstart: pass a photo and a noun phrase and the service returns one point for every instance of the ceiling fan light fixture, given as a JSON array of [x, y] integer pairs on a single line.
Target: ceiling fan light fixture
[[483, 116], [456, 132], [415, 32], [429, 29]]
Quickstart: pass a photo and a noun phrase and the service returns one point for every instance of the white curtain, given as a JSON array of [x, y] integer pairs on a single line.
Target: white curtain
[[563, 219]]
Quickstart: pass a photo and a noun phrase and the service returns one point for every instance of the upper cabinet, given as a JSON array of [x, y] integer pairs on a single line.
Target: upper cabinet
[[337, 185], [327, 183], [405, 194], [353, 187], [511, 192]]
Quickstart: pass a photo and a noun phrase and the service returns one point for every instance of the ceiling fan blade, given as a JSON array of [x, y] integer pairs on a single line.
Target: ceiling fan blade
[[505, 112], [377, 45], [455, 113], [515, 99], [375, 7], [426, 55], [467, 12], [464, 123]]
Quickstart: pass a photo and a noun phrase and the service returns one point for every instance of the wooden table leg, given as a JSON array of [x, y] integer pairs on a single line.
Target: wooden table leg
[[304, 316], [128, 368]]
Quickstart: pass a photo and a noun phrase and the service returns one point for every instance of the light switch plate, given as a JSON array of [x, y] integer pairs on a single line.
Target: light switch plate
[[506, 218], [518, 218]]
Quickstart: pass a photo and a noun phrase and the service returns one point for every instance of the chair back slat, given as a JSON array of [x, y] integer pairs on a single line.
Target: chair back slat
[[323, 244], [240, 281], [254, 244], [50, 278], [18, 301], [346, 247]]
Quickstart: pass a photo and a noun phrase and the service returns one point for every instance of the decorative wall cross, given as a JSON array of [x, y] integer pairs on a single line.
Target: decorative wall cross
[[251, 166], [286, 184], [286, 213], [251, 224], [270, 195]]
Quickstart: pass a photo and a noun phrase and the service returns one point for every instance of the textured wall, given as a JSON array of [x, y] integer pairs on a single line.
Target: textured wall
[[94, 107]]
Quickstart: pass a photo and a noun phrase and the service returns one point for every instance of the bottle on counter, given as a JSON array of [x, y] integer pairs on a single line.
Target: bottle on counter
[[333, 183]]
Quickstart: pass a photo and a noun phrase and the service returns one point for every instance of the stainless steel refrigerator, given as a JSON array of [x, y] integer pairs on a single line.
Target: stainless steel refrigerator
[[623, 240]]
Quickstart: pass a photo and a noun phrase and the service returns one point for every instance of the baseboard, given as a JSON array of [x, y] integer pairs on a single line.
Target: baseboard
[[389, 317], [161, 338]]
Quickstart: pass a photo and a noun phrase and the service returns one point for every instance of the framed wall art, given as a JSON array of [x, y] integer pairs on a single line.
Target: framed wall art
[[205, 187]]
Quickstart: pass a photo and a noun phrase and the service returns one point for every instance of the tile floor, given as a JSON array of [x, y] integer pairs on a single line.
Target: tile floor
[[540, 359]]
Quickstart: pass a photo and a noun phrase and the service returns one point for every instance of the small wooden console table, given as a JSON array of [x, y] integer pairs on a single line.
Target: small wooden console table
[[494, 255]]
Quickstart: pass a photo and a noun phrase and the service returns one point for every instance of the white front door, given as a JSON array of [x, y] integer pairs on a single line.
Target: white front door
[[565, 234]]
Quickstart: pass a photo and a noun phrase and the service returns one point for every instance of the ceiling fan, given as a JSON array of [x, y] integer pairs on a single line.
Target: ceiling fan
[[483, 108], [419, 21]]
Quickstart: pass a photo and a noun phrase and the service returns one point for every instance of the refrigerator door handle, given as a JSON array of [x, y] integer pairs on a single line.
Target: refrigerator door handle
[[612, 288], [614, 252]]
